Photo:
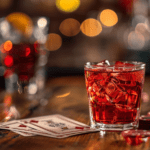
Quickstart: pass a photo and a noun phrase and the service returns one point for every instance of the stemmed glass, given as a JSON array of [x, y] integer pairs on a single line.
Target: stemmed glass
[[24, 57]]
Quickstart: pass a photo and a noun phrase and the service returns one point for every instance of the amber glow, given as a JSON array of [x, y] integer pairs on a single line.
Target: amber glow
[[21, 22], [8, 45], [91, 27], [67, 5], [70, 27], [54, 42], [8, 100], [108, 17], [63, 95]]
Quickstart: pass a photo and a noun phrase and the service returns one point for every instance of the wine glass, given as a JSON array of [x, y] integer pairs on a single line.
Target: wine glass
[[24, 56]]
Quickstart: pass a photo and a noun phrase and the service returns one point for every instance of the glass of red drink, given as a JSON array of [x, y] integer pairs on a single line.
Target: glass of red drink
[[114, 93], [24, 57], [23, 51]]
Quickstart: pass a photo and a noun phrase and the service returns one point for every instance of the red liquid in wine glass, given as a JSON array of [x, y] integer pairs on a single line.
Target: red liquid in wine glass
[[21, 59]]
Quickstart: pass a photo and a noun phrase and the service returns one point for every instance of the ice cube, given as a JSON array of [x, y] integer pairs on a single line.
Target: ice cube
[[103, 63], [123, 66], [123, 107], [115, 92], [123, 77], [110, 88], [132, 97]]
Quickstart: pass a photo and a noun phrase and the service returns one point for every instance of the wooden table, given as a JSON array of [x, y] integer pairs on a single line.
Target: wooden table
[[69, 98]]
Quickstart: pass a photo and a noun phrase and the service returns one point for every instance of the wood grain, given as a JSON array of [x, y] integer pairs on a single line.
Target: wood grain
[[69, 98]]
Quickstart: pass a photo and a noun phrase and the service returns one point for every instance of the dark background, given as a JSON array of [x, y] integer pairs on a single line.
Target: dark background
[[70, 58]]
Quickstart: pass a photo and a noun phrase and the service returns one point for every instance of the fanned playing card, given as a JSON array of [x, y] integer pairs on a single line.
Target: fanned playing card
[[18, 127], [56, 126]]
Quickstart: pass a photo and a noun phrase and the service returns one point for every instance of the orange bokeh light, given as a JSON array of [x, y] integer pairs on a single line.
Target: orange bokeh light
[[8, 45], [21, 22], [91, 27], [54, 42], [70, 27], [108, 17]]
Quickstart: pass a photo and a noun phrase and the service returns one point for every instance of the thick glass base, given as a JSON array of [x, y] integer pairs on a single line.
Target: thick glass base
[[114, 127]]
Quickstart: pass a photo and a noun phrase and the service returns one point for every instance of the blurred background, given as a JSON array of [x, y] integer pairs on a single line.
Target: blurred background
[[86, 30]]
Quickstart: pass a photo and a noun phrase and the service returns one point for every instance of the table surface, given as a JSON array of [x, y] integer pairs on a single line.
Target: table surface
[[67, 96]]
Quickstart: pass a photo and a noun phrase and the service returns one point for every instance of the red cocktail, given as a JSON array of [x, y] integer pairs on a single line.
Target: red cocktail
[[114, 92], [21, 59]]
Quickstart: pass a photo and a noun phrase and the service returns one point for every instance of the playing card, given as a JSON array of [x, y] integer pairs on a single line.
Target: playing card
[[3, 125], [23, 133], [57, 125], [18, 127]]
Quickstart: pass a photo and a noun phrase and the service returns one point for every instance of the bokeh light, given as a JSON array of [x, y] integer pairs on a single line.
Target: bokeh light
[[67, 5], [144, 30], [91, 27], [32, 89], [69, 27], [8, 61], [140, 7], [42, 22], [141, 28], [27, 51], [108, 17], [54, 42], [145, 97], [4, 28], [21, 22], [136, 40], [8, 45]]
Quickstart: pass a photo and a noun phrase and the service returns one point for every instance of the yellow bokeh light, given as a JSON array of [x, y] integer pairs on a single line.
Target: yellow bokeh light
[[8, 45], [70, 27], [67, 5], [54, 42], [108, 17], [91, 27], [21, 22]]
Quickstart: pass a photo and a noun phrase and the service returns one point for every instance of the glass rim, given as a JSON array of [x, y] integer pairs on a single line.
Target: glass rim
[[112, 65]]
